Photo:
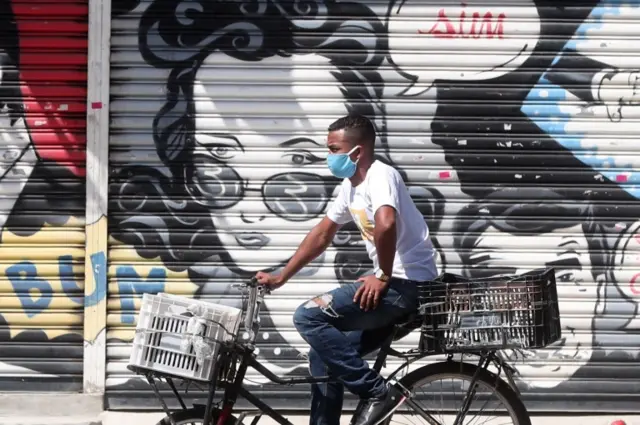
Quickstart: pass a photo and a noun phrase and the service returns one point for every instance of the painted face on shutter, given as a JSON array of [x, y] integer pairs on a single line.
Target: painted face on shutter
[[17, 155], [259, 163], [619, 303], [567, 251]]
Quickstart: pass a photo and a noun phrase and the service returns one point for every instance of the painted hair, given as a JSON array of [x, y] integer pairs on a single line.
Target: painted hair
[[156, 213]]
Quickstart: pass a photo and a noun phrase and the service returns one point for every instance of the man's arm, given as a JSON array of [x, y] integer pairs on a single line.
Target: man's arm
[[384, 236], [384, 203], [368, 295], [314, 244]]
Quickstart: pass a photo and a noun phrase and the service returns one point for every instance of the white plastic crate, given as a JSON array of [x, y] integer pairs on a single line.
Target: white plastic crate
[[177, 335]]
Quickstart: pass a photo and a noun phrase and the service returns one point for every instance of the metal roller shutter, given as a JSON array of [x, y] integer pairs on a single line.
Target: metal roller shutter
[[513, 124], [43, 56]]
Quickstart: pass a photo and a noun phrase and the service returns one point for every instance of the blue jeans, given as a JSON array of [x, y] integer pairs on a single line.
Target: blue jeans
[[339, 333]]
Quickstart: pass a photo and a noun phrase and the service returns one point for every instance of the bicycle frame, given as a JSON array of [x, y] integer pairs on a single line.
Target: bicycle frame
[[242, 355], [247, 359], [236, 389]]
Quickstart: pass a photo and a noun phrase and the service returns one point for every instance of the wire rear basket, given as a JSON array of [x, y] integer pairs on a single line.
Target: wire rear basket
[[510, 312], [181, 336]]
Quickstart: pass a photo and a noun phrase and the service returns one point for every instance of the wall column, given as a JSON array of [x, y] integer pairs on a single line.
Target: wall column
[[95, 308]]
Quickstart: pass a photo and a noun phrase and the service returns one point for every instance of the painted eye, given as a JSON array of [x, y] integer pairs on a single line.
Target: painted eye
[[566, 276], [223, 152], [302, 157], [298, 159]]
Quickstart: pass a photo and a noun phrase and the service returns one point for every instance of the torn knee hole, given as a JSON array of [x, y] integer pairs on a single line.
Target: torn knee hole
[[322, 301]]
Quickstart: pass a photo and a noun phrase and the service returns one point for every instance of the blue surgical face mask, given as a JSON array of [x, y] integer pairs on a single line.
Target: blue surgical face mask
[[341, 165]]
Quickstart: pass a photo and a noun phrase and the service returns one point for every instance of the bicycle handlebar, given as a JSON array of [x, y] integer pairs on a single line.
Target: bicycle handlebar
[[256, 298]]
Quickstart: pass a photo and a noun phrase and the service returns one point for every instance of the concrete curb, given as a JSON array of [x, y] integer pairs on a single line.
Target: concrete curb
[[70, 405], [11, 420]]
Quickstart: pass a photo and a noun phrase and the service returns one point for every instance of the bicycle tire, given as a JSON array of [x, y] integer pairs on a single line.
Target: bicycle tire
[[467, 370], [194, 415]]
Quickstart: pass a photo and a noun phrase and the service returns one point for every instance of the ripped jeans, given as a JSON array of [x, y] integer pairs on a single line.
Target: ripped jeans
[[339, 333]]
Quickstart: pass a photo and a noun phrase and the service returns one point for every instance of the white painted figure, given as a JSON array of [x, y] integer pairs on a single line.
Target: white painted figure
[[259, 223]]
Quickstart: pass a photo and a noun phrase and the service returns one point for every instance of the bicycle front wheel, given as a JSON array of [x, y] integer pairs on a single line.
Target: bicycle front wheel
[[441, 389]]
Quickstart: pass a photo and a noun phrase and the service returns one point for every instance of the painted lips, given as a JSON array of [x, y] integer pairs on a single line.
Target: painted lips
[[252, 240]]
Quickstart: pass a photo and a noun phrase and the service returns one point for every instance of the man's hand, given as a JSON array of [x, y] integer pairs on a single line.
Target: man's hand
[[370, 292], [272, 281]]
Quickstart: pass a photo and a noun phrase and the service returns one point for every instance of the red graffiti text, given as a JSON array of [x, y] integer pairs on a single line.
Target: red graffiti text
[[633, 284], [464, 26]]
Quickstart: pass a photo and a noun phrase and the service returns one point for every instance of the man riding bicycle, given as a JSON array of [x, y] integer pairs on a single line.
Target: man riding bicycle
[[350, 321]]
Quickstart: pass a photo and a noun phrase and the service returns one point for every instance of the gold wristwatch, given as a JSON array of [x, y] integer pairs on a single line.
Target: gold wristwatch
[[381, 276]]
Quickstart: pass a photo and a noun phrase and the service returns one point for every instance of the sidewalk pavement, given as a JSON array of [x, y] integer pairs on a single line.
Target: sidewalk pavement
[[135, 418], [124, 418], [86, 409]]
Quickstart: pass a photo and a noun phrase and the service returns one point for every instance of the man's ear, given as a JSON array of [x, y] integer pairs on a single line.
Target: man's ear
[[357, 150]]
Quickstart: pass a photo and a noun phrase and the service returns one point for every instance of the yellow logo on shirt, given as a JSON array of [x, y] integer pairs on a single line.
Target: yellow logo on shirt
[[365, 225]]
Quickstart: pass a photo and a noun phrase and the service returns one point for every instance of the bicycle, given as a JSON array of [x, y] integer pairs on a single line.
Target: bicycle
[[444, 330]]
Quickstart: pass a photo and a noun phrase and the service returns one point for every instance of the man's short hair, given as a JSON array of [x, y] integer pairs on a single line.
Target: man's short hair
[[358, 129]]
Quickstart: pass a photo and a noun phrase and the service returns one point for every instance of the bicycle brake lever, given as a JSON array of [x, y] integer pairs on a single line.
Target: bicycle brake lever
[[266, 289], [240, 287]]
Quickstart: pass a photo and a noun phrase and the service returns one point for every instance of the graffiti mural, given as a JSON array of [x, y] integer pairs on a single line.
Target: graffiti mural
[[42, 138], [514, 133]]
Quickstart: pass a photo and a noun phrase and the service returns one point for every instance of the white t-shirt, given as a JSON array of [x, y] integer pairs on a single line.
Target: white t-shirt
[[383, 185]]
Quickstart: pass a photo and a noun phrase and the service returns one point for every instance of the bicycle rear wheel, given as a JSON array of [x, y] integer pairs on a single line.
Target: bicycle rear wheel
[[427, 386]]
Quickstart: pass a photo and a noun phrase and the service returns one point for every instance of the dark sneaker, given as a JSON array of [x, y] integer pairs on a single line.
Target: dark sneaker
[[376, 410]]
